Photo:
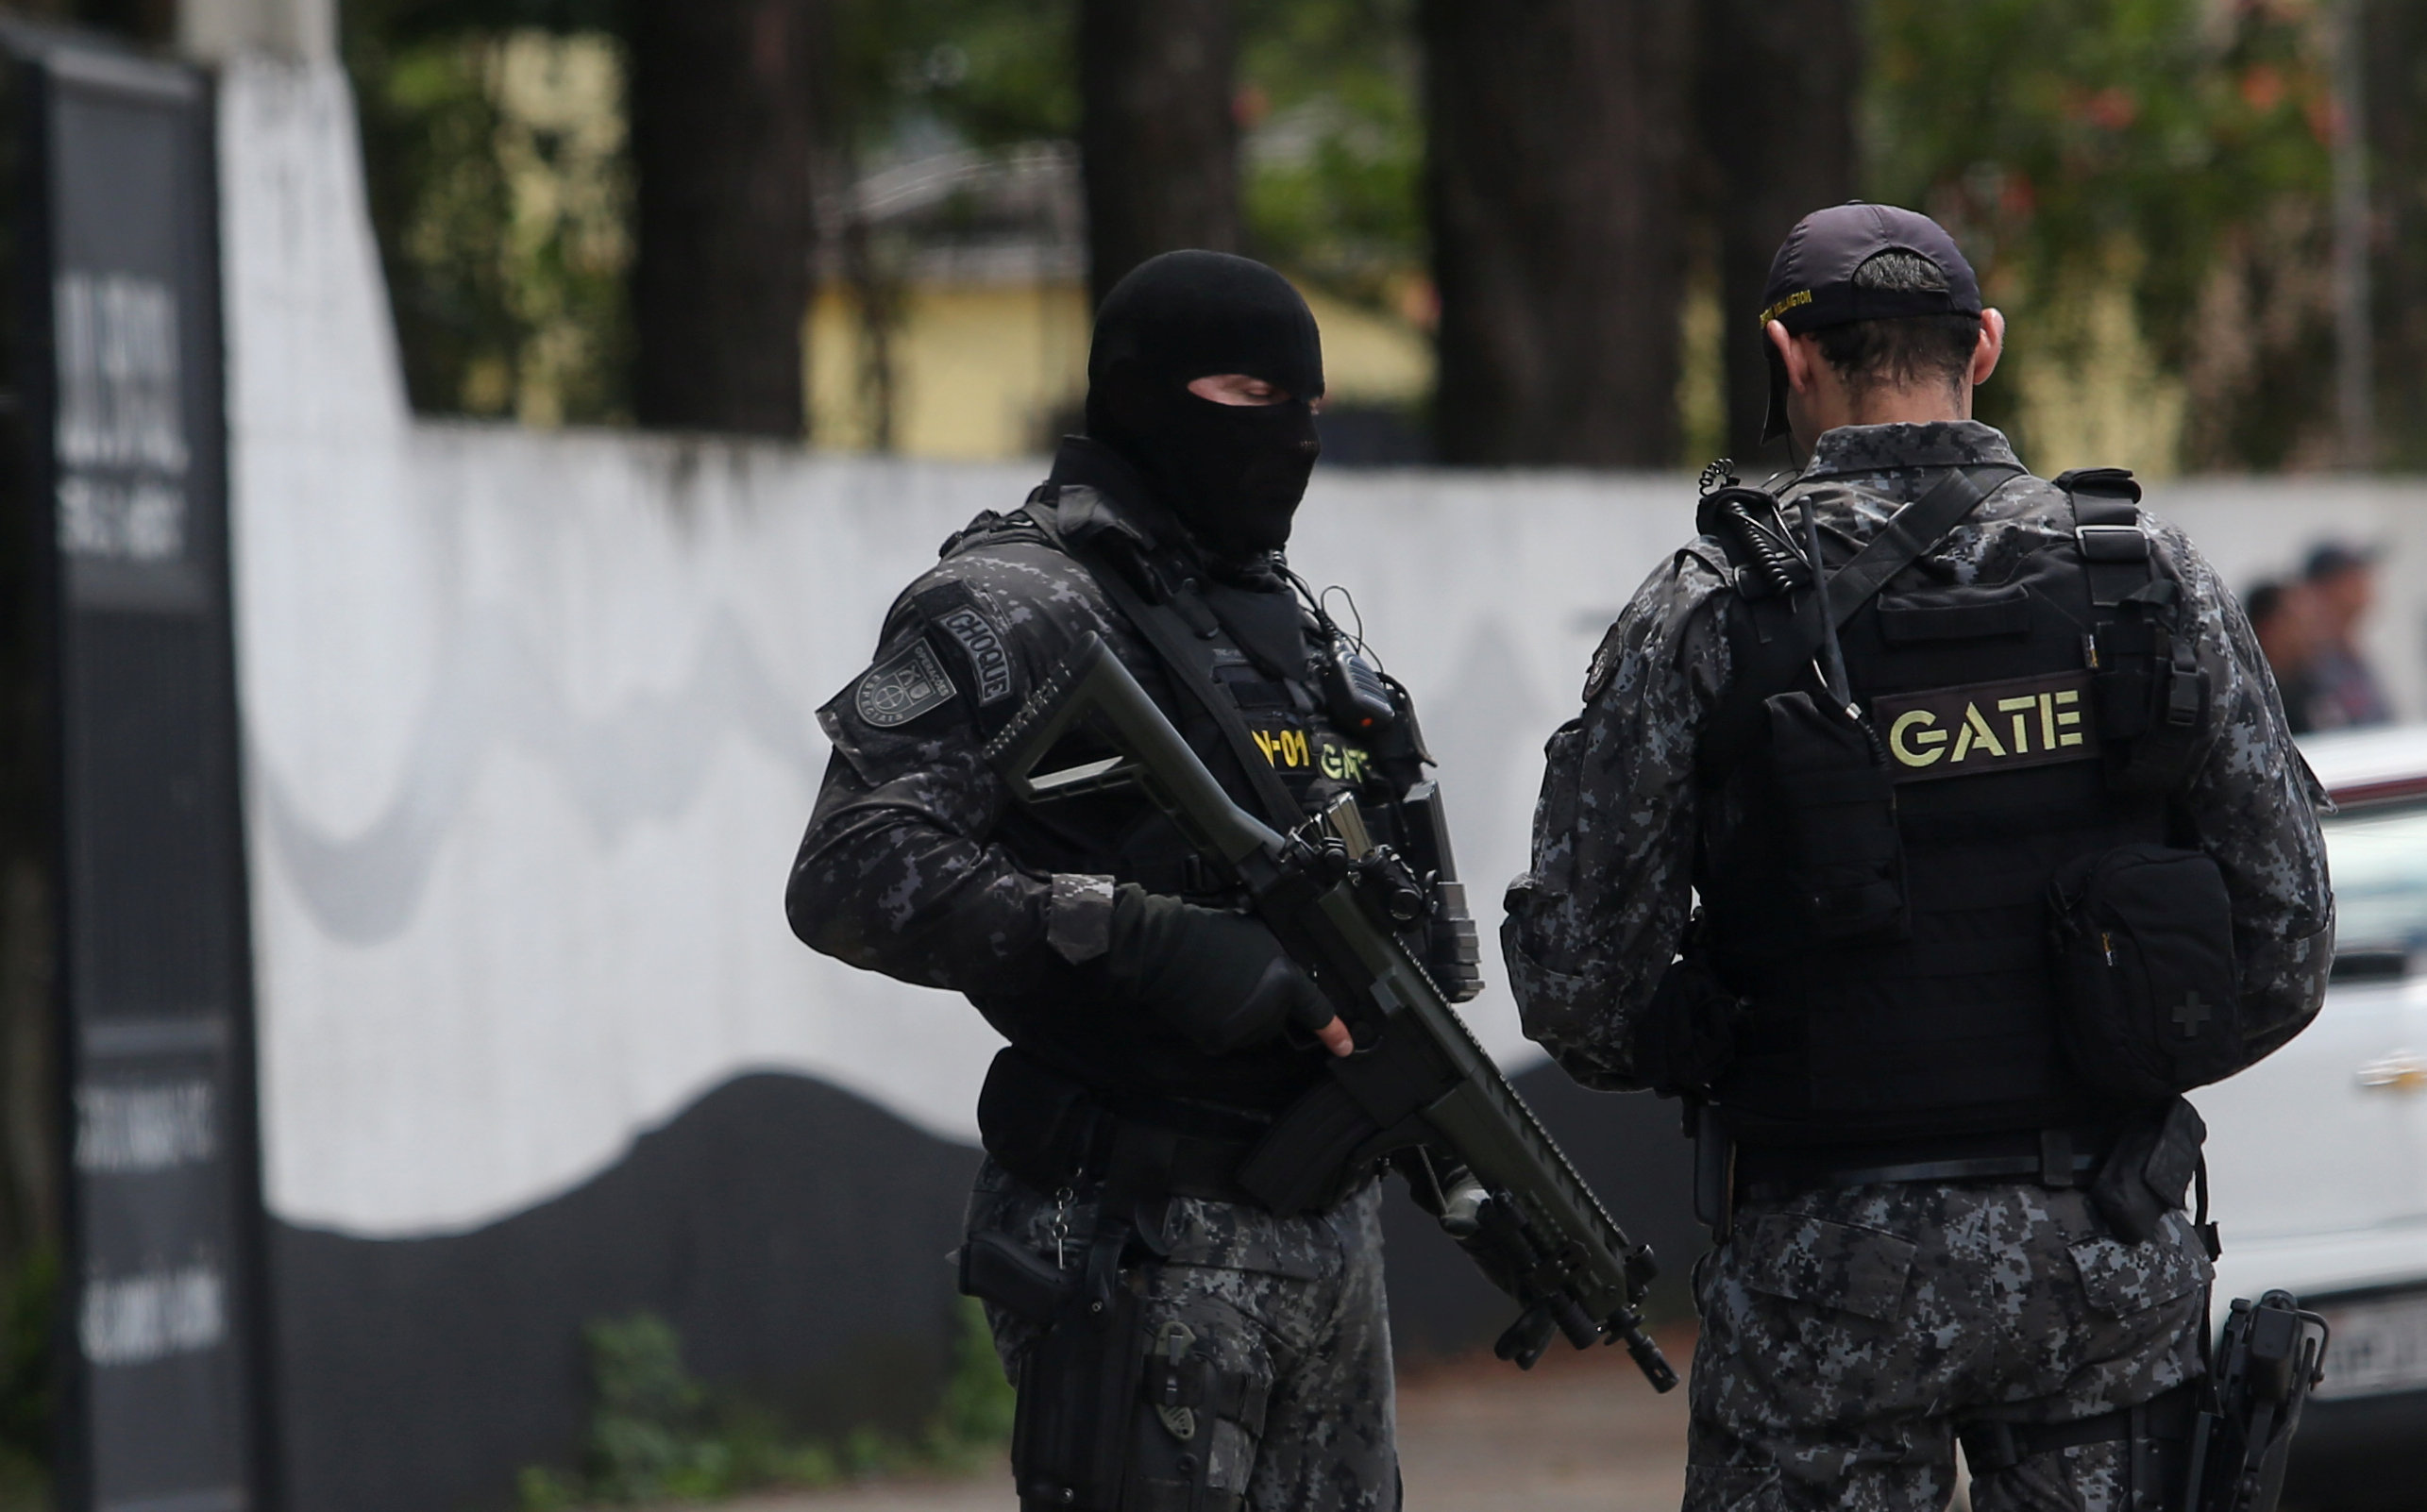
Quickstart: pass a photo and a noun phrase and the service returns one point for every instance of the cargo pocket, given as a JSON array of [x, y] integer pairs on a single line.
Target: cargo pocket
[[2119, 1279], [1555, 814], [1829, 1264]]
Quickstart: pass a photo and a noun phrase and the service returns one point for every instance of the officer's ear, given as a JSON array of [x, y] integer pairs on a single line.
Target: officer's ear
[[1991, 345], [1799, 356]]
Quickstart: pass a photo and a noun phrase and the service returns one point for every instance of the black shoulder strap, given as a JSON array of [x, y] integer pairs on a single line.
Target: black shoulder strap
[[2107, 528], [1910, 531], [1186, 656]]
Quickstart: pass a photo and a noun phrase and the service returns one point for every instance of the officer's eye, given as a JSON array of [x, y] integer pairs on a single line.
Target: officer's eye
[[1238, 388]]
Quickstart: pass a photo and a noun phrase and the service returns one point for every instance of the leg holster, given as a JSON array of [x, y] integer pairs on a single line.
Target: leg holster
[[2157, 1435], [1111, 1417], [1184, 1391], [1078, 1386]]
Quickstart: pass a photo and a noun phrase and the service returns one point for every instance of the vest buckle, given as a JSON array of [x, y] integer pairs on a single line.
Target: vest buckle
[[2111, 543]]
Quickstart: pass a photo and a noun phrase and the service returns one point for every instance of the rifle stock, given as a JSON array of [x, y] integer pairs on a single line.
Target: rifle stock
[[1418, 1078]]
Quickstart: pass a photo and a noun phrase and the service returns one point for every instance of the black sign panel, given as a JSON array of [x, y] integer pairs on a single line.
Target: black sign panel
[[161, 1302]]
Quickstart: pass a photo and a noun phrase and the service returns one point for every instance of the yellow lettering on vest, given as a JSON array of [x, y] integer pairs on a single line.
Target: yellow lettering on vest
[[1976, 731], [2020, 708], [1335, 761], [2069, 716], [1903, 736], [1293, 746], [2046, 723], [1264, 744]]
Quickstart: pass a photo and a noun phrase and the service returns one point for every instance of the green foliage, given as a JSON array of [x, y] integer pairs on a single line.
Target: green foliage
[[1331, 177], [500, 193], [657, 1433], [646, 1442], [28, 1298], [992, 73], [978, 1400], [1334, 144], [2176, 146]]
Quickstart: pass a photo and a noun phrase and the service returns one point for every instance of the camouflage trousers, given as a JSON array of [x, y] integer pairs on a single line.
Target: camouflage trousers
[[1294, 1304], [1846, 1334]]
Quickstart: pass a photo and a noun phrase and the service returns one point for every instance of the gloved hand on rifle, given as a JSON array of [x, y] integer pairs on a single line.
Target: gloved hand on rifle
[[1218, 976]]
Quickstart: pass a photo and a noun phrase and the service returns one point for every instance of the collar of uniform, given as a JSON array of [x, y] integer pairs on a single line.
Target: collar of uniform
[[1124, 501], [1849, 450]]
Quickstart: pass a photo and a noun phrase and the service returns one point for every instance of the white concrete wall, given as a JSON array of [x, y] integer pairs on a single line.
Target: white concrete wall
[[530, 731]]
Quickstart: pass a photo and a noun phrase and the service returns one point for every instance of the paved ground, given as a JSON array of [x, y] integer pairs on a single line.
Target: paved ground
[[1580, 1431]]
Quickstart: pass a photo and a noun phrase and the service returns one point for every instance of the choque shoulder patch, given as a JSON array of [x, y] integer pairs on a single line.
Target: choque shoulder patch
[[904, 686], [988, 658]]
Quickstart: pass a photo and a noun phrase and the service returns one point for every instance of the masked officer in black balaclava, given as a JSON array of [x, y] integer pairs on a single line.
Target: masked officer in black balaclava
[[1143, 1009]]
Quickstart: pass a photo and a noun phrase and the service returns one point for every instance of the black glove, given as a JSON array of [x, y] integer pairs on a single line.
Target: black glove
[[1689, 1035], [1219, 978]]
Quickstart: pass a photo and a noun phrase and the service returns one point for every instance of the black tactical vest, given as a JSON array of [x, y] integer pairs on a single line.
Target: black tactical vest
[[2012, 726], [1262, 647]]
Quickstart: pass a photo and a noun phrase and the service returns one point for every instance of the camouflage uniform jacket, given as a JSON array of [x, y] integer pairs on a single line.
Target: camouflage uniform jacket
[[919, 863], [1597, 918]]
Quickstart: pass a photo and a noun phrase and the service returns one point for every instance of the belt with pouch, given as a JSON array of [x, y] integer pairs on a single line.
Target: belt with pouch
[[1050, 1132]]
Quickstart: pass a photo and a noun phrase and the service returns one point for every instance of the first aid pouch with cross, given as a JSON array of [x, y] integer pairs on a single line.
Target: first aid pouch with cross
[[2142, 946]]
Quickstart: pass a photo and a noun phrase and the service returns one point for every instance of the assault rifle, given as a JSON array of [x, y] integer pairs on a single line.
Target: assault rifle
[[1418, 1079]]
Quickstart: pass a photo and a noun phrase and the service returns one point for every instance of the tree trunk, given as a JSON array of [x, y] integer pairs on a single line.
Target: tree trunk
[[1557, 134], [1774, 99], [2393, 106], [1158, 141], [725, 106]]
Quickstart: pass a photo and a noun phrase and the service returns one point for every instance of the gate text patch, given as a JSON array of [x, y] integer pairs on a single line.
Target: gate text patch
[[1988, 726]]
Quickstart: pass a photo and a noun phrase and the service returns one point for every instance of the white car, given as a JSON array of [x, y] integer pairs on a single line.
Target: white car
[[2317, 1155]]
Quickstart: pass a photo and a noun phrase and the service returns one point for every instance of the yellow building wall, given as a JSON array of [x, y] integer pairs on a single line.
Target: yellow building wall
[[982, 370]]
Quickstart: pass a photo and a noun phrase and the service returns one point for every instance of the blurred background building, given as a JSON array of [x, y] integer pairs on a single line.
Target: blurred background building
[[1523, 225]]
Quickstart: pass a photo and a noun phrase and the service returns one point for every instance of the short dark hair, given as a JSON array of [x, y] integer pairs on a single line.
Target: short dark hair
[[1907, 349], [2263, 602]]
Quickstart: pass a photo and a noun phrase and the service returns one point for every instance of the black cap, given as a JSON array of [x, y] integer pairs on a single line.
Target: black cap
[[1812, 279], [2331, 558]]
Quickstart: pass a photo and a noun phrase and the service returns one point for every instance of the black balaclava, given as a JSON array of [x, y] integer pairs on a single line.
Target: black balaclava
[[1234, 474]]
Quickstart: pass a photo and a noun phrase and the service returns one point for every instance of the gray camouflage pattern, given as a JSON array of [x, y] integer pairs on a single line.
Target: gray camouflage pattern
[[919, 862], [1846, 1333], [1598, 915], [1297, 1302], [896, 873]]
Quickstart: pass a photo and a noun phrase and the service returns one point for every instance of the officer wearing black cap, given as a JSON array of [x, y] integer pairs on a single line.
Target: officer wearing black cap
[[2338, 690], [1154, 1027], [1938, 801]]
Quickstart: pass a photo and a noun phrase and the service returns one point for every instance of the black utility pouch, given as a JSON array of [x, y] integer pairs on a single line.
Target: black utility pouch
[[1038, 1124], [2154, 697], [2142, 945], [2148, 1173], [1688, 1037], [1841, 814]]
